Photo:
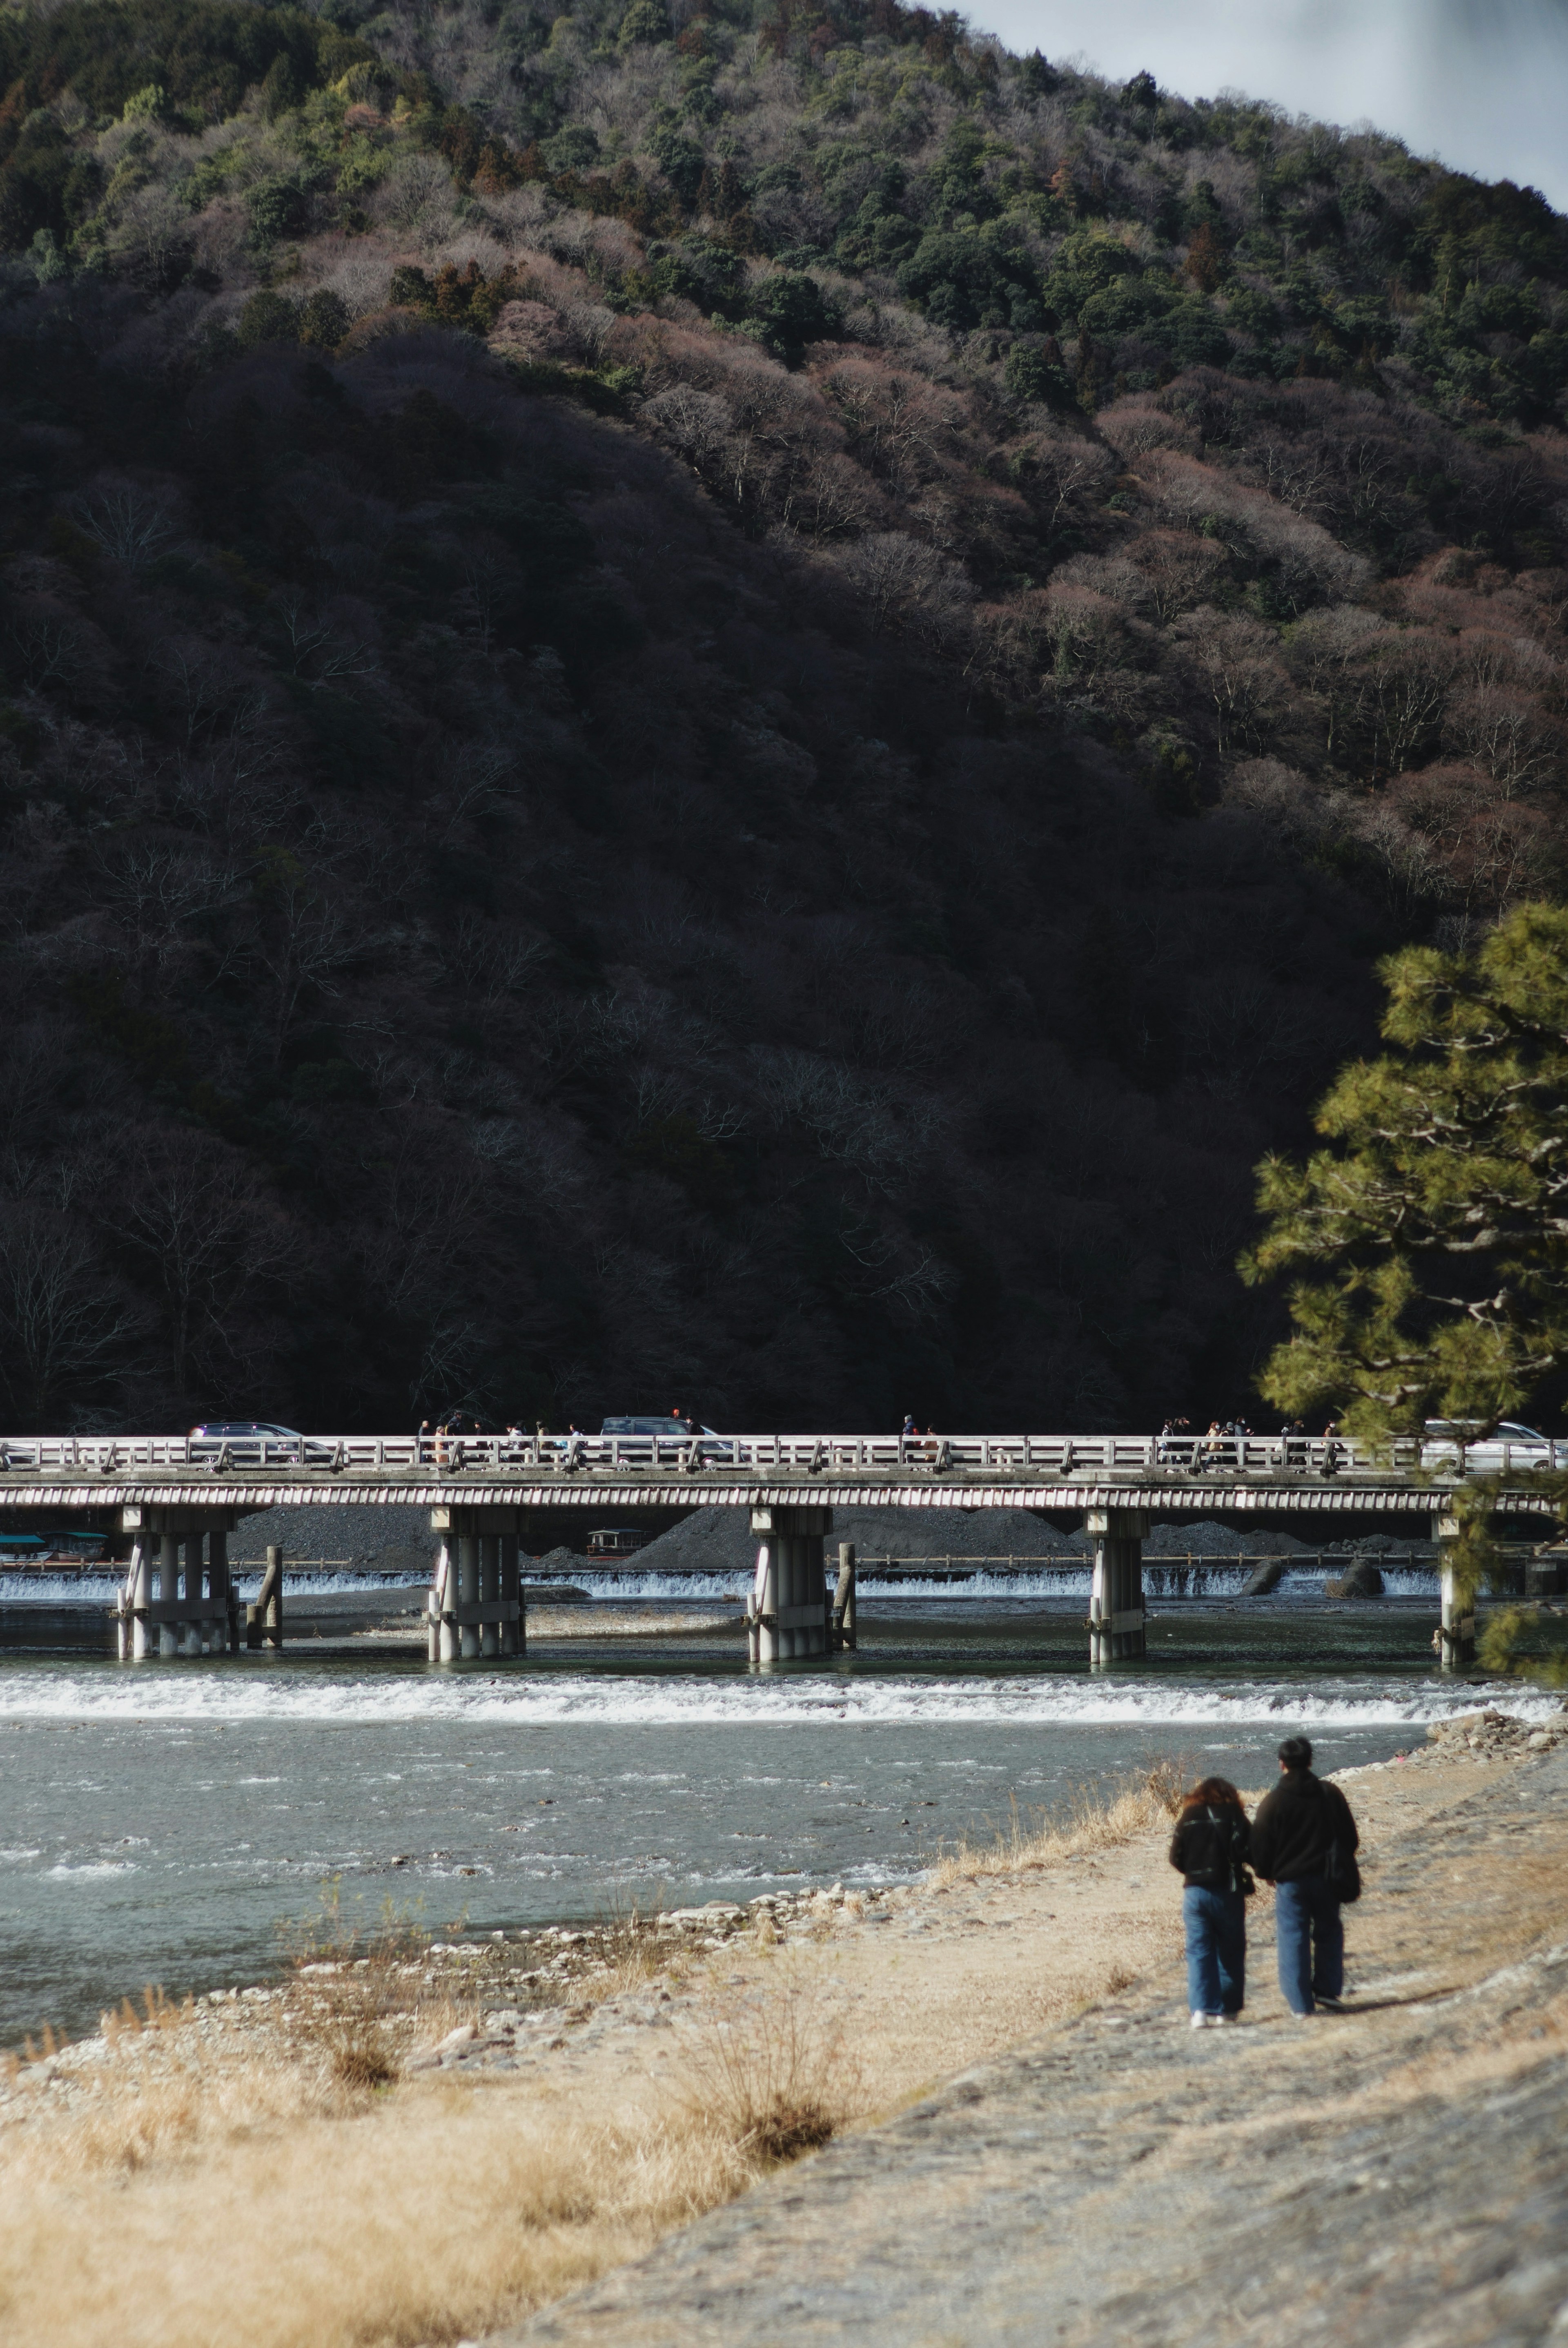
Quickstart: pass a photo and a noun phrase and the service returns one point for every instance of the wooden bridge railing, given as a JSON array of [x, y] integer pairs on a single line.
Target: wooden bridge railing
[[1054, 1455]]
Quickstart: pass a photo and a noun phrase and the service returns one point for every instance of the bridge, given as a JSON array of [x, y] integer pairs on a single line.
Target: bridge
[[180, 1497]]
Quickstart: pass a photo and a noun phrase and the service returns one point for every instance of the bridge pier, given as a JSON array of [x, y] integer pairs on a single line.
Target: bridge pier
[[1116, 1591], [476, 1605], [1456, 1627], [155, 1615], [844, 1628], [789, 1616]]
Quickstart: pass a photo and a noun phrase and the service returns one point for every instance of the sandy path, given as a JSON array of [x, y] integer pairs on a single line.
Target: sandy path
[[1395, 2175]]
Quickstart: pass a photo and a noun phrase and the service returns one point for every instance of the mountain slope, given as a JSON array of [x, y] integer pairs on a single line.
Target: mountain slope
[[721, 712]]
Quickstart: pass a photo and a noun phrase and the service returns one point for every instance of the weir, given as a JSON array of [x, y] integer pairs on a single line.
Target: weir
[[180, 1497]]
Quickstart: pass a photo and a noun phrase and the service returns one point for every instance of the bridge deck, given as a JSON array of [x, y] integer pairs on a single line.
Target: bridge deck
[[1247, 1475]]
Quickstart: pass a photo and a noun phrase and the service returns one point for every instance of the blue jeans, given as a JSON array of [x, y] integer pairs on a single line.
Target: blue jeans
[[1216, 1949], [1311, 1941]]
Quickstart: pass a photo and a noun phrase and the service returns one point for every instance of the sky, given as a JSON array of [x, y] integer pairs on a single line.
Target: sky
[[1481, 84]]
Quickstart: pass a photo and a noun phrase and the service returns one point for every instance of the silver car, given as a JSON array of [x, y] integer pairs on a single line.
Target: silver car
[[661, 1442], [255, 1443], [1510, 1448]]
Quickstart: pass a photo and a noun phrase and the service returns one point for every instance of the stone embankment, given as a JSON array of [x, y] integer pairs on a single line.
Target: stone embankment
[[1494, 1735]]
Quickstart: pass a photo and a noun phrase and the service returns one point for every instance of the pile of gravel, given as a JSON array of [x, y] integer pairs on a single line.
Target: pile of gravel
[[394, 1540], [1206, 1539], [720, 1541]]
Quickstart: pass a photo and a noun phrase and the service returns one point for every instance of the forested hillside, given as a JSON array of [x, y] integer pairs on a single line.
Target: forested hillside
[[721, 706]]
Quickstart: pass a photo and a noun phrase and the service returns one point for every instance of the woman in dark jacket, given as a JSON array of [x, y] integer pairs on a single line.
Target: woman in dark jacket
[[1210, 1847]]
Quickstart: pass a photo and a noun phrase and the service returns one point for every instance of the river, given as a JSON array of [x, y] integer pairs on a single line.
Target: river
[[164, 1823]]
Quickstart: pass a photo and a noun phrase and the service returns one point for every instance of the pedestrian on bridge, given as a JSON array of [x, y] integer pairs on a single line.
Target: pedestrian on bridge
[[1210, 1847], [1303, 1842]]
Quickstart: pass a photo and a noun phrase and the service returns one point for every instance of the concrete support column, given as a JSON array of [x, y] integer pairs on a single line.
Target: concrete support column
[[762, 1637], [1456, 1629], [191, 1641], [789, 1617], [490, 1590], [143, 1562], [447, 1646], [167, 1587], [476, 1585], [844, 1599], [273, 1597], [514, 1634], [469, 1591], [1116, 1593], [789, 1596], [178, 1598], [226, 1630]]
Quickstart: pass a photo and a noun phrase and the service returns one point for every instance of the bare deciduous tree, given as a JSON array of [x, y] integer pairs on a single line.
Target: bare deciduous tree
[[67, 1328]]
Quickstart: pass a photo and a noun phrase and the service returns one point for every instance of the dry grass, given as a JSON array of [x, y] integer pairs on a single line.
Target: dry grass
[[770, 2068], [1095, 1821], [445, 2206], [437, 2213], [359, 1996], [631, 1952]]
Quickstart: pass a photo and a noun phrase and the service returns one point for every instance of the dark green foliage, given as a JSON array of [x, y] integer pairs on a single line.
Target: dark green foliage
[[1035, 371], [323, 320], [697, 271], [268, 317], [789, 310], [574, 149], [969, 277], [645, 20], [208, 53], [679, 158], [282, 87], [277, 207], [33, 185]]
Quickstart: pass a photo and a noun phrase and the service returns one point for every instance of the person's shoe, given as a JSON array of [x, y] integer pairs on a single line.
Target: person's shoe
[[1328, 2005], [1228, 2021], [1205, 2022]]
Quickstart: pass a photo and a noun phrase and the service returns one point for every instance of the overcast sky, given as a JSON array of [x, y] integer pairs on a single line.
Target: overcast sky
[[1481, 83]]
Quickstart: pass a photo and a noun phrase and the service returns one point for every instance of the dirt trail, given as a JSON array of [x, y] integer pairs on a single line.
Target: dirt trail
[[1397, 2174]]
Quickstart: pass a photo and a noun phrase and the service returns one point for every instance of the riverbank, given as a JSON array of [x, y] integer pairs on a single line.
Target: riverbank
[[409, 2143]]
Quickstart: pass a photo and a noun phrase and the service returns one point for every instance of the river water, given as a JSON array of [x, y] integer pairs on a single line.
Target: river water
[[162, 1824]]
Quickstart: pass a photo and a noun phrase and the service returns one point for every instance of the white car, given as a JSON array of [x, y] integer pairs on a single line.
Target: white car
[[1510, 1448]]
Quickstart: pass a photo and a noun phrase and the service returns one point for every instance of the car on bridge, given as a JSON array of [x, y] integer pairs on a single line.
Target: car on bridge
[[1508, 1448], [256, 1442], [662, 1441]]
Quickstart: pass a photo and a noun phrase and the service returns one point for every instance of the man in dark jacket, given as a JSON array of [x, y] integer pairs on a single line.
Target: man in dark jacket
[[1302, 1839]]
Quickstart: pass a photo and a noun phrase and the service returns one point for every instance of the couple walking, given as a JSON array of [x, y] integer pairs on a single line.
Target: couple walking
[[1303, 1841]]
